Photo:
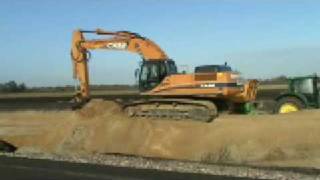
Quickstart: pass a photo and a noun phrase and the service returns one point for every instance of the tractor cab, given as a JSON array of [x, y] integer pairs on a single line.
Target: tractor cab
[[303, 92], [307, 87]]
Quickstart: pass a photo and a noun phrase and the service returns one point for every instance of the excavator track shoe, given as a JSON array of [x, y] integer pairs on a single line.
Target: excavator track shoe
[[177, 109]]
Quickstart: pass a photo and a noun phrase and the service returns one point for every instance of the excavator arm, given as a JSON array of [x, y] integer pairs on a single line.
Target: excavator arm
[[121, 40]]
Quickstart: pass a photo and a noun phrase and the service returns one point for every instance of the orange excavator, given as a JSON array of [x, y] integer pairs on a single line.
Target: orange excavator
[[166, 93]]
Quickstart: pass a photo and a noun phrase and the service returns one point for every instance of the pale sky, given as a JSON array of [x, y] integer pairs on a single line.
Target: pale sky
[[260, 38]]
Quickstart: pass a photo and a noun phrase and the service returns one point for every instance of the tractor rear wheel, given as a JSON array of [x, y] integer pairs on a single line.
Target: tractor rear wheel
[[288, 105]]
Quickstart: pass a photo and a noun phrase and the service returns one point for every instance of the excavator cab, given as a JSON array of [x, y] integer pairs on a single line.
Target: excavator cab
[[153, 72]]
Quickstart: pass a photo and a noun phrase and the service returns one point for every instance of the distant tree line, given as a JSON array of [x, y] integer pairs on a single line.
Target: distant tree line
[[69, 88], [275, 80], [12, 86]]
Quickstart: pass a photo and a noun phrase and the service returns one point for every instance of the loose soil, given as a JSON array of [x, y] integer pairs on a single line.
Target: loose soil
[[101, 127]]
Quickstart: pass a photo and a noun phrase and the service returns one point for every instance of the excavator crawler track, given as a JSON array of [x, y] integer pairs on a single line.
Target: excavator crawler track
[[177, 109]]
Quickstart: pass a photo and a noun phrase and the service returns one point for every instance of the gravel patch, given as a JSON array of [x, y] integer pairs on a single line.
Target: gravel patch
[[176, 166]]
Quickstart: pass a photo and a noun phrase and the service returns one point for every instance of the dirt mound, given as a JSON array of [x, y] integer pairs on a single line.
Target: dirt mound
[[101, 127], [99, 107]]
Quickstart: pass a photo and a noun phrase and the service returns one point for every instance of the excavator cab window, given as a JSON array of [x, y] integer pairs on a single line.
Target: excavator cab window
[[153, 72]]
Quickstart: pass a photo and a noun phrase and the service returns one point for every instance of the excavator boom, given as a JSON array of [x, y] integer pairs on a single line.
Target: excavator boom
[[121, 40]]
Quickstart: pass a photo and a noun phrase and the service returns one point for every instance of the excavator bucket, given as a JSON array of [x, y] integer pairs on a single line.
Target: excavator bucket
[[251, 90], [249, 93]]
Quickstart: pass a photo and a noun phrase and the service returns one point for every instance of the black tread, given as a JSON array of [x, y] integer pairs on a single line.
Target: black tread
[[200, 115]]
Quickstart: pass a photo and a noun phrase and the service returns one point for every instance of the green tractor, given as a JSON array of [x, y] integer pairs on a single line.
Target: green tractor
[[303, 93]]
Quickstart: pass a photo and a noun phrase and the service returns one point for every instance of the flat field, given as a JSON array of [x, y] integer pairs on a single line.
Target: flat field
[[262, 88]]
